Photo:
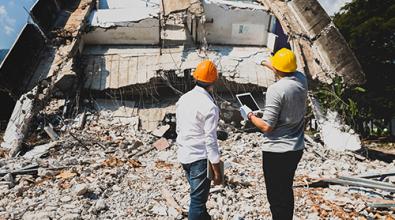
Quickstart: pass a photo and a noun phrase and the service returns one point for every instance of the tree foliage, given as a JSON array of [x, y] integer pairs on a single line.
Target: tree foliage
[[369, 28]]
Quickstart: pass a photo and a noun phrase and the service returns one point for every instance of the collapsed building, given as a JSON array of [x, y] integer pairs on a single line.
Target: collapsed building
[[95, 48], [93, 86], [94, 83]]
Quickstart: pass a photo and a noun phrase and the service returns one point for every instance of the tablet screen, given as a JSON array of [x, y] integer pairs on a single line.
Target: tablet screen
[[246, 99]]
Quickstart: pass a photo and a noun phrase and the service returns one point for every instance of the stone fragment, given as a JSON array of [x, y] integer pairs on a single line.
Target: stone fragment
[[66, 199], [71, 216], [42, 172], [36, 216], [159, 210], [80, 189], [100, 205]]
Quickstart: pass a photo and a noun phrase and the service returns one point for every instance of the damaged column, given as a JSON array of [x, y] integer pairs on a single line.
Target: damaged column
[[320, 47], [60, 66], [18, 125]]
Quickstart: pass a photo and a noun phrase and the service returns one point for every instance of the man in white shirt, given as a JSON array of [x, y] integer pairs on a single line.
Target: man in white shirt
[[197, 120]]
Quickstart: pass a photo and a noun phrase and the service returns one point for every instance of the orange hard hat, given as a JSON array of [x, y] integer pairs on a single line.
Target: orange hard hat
[[206, 72]]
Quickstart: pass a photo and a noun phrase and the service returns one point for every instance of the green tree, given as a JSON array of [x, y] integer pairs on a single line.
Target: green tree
[[369, 28]]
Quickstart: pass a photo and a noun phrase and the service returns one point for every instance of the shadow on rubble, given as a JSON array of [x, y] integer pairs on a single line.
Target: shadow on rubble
[[371, 154]]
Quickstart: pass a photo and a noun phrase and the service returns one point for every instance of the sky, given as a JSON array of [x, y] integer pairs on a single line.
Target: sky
[[13, 17], [333, 6]]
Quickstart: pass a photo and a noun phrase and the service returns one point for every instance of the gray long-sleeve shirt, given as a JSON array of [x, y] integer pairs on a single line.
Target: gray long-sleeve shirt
[[284, 111]]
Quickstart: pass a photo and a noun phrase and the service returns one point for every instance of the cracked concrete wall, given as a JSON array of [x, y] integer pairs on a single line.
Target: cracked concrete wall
[[234, 26], [145, 32], [322, 51]]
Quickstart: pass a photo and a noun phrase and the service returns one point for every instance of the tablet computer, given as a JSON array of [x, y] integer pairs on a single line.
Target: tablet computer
[[248, 100]]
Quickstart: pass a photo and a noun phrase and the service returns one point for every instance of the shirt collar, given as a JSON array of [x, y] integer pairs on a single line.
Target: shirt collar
[[203, 91]]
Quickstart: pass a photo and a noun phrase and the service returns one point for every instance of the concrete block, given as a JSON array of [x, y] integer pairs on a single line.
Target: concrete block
[[311, 15], [338, 57]]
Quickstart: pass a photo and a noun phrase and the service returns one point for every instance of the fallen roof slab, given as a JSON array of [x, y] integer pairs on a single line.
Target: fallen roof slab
[[117, 67], [239, 4]]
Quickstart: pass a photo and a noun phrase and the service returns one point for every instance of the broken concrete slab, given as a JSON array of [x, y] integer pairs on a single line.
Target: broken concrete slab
[[335, 138], [40, 150], [120, 67], [333, 130], [122, 17], [51, 133], [161, 144], [160, 131], [170, 6]]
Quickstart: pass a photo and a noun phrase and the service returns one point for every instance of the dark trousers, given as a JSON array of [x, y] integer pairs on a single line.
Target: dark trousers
[[279, 171], [200, 187]]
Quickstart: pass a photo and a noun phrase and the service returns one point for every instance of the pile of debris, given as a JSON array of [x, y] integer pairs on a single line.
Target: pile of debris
[[103, 165]]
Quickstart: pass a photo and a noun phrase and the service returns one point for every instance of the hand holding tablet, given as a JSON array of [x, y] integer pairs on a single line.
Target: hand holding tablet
[[249, 101]]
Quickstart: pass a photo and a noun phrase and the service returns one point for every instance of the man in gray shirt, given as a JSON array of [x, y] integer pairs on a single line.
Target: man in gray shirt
[[283, 125]]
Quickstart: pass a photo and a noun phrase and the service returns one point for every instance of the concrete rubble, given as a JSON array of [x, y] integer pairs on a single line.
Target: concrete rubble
[[109, 169], [92, 135], [334, 133]]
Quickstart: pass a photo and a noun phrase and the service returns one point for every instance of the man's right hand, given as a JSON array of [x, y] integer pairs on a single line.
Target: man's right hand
[[217, 179]]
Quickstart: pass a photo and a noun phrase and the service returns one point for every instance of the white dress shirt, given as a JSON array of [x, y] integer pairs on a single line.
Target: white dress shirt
[[197, 120]]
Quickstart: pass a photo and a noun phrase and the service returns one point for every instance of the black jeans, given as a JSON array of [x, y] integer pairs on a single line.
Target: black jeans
[[279, 171], [200, 187]]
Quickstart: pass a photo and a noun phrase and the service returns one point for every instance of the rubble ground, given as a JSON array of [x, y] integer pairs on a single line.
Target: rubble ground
[[110, 170]]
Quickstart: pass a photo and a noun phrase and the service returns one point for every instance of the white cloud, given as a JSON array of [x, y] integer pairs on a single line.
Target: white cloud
[[6, 22], [333, 6], [3, 11], [8, 30]]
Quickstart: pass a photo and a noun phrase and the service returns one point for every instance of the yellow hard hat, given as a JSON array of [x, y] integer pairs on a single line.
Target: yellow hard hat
[[284, 60], [206, 72]]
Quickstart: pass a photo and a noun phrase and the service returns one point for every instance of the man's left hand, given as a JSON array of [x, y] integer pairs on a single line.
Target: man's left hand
[[244, 111]]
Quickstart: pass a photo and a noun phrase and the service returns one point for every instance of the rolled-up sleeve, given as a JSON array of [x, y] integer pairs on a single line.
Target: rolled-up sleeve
[[272, 107], [210, 131]]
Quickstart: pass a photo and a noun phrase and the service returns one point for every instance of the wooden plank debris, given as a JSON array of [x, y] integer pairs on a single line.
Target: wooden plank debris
[[167, 195]]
